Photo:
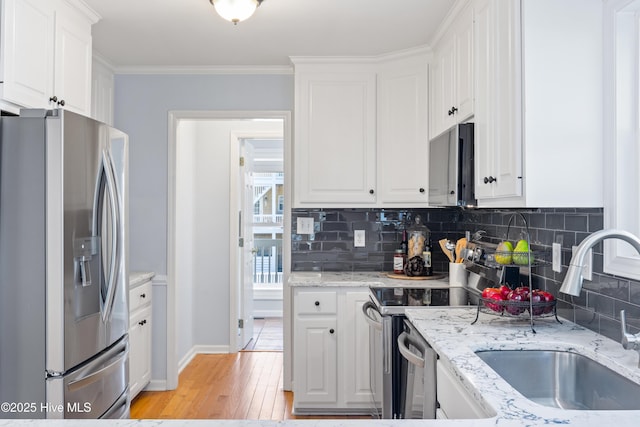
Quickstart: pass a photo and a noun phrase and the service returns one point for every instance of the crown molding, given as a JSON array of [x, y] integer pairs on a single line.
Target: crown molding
[[205, 69]]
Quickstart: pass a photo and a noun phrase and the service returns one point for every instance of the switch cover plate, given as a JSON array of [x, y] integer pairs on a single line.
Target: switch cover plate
[[556, 250], [358, 238], [305, 225]]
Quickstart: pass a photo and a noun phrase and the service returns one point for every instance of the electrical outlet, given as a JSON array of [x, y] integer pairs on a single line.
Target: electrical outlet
[[305, 225], [358, 238], [556, 250], [587, 269]]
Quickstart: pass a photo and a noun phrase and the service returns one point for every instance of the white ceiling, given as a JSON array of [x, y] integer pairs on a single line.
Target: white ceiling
[[189, 33]]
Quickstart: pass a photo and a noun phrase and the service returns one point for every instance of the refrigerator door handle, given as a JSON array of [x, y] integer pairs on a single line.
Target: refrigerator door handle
[[117, 353], [106, 174]]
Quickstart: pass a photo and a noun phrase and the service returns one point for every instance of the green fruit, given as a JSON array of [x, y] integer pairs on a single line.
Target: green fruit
[[504, 253], [521, 253]]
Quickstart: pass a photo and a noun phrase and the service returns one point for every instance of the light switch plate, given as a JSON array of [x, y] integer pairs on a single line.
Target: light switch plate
[[556, 250], [587, 270], [358, 238], [305, 225]]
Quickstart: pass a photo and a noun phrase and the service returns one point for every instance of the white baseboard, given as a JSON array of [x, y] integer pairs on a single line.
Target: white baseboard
[[201, 349], [156, 385]]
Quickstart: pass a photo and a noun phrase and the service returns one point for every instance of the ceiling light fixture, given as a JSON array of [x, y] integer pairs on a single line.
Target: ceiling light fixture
[[235, 10]]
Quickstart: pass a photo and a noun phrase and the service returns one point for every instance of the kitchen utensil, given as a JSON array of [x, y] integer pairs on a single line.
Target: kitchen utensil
[[460, 245], [452, 248], [445, 249]]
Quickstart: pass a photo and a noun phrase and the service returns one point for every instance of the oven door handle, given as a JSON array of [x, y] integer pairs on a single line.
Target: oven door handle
[[413, 358], [374, 323]]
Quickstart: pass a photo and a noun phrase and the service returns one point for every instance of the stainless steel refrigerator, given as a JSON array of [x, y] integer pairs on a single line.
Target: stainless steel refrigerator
[[63, 267]]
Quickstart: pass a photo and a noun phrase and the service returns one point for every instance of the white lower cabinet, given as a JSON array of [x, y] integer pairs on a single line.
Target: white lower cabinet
[[140, 311], [331, 368], [454, 401]]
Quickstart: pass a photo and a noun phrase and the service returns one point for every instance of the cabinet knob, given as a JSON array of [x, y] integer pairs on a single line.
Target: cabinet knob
[[371, 191], [454, 110], [317, 303], [331, 331], [142, 322], [53, 99], [61, 103], [421, 190], [143, 295], [489, 180]]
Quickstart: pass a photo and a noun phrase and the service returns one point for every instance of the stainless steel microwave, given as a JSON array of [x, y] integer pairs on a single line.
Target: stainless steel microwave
[[451, 169]]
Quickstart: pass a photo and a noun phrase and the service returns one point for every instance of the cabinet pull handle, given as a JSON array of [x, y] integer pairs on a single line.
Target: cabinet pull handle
[[421, 190], [317, 303], [489, 180], [331, 331]]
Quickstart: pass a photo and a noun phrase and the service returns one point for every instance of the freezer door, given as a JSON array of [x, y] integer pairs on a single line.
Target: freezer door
[[86, 239], [97, 389]]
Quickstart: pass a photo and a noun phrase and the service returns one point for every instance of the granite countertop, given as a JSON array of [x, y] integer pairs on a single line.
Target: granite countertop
[[366, 278], [137, 278], [455, 339]]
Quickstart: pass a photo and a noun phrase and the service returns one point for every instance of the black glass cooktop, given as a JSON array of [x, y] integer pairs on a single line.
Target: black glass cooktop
[[407, 297]]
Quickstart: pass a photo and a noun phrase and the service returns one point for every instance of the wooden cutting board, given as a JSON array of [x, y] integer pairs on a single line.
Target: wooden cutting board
[[405, 277]]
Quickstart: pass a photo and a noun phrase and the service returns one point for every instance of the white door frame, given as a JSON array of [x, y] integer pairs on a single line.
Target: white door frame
[[174, 118]]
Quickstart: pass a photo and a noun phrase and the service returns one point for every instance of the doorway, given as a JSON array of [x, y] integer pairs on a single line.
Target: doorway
[[201, 303], [261, 197]]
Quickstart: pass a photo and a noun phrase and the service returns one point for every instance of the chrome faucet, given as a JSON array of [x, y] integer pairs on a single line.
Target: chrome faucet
[[572, 283], [629, 341]]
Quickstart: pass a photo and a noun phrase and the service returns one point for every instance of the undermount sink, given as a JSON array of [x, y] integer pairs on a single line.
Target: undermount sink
[[563, 379]]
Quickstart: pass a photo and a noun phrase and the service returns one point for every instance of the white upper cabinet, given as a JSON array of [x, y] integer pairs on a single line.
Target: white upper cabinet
[[403, 173], [27, 51], [46, 54], [452, 75], [361, 132], [102, 92], [538, 103], [335, 135], [498, 107]]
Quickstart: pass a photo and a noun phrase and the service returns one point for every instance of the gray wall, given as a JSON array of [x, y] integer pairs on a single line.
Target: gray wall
[[142, 106], [597, 308]]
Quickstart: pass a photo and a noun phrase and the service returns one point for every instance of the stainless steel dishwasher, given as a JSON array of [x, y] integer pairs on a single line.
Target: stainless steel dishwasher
[[418, 378]]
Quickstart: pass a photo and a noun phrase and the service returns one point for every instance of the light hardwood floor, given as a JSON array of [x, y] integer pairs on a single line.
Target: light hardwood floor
[[244, 385]]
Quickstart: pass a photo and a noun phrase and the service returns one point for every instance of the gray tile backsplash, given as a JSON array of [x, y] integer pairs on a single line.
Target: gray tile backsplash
[[331, 248]]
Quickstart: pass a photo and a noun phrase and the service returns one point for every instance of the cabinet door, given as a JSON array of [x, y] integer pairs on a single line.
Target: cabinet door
[[464, 72], [27, 52], [442, 81], [73, 60], [498, 106], [402, 136], [355, 353], [140, 350], [335, 138], [315, 361], [454, 400]]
